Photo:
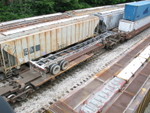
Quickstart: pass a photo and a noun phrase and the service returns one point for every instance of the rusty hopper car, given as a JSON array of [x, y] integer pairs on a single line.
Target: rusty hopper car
[[19, 46]]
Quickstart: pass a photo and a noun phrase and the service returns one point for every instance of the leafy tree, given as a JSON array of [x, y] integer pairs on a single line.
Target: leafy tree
[[15, 9]]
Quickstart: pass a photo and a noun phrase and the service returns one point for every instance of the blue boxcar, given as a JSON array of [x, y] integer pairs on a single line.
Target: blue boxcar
[[137, 10]]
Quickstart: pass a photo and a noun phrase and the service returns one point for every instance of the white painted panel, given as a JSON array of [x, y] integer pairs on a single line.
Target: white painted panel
[[85, 30], [131, 68], [128, 26], [31, 47], [146, 53], [141, 22], [83, 37], [37, 45], [43, 44], [59, 38], [19, 51], [63, 33], [93, 26], [126, 75], [66, 31], [135, 64], [69, 35], [73, 40], [77, 32], [80, 32], [25, 50], [48, 42], [89, 28], [54, 40]]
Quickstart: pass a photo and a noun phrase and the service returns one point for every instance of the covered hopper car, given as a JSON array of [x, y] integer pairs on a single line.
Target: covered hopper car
[[32, 39], [17, 49]]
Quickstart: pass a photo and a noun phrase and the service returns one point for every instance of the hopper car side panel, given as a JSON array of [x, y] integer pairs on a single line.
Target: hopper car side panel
[[43, 43], [37, 44]]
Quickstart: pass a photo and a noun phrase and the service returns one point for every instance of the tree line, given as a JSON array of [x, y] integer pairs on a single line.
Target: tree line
[[16, 9]]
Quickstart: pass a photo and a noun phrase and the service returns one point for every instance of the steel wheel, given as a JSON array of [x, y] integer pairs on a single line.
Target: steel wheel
[[54, 69], [63, 64]]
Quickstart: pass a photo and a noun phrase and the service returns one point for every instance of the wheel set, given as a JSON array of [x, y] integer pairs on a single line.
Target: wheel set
[[56, 68]]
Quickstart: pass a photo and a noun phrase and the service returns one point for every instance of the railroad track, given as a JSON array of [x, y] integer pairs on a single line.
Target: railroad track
[[78, 84], [73, 102]]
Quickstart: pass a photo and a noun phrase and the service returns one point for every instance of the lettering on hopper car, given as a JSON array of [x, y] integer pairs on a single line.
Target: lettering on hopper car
[[37, 47], [26, 52], [31, 49]]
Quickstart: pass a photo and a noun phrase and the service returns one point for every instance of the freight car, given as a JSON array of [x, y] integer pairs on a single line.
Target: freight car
[[33, 39], [19, 46]]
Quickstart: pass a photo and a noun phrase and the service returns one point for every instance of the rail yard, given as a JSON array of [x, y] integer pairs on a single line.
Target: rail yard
[[82, 61]]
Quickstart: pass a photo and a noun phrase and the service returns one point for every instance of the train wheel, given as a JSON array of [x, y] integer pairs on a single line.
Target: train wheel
[[10, 97], [54, 69], [63, 64], [30, 88]]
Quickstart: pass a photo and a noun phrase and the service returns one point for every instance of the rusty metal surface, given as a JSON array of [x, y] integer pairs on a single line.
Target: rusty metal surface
[[6, 89], [87, 50], [110, 72], [139, 104], [118, 105], [83, 93], [28, 76], [130, 91], [57, 108]]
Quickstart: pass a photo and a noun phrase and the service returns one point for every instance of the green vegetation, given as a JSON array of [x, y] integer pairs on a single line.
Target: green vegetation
[[15, 9]]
